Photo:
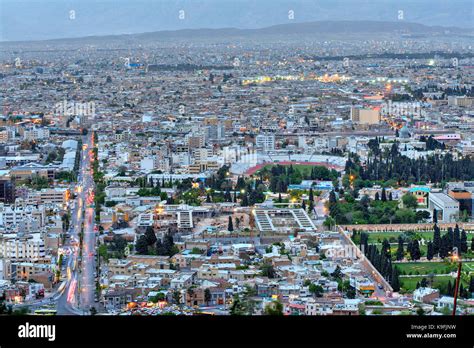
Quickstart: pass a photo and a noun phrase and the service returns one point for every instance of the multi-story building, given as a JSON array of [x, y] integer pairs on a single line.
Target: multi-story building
[[465, 200], [446, 207], [196, 141], [58, 196], [266, 142], [27, 247], [7, 190], [215, 132], [365, 116], [4, 136], [203, 166], [36, 134], [460, 101], [29, 170], [28, 217]]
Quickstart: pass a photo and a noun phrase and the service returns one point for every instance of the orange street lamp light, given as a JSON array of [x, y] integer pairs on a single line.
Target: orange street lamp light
[[456, 258]]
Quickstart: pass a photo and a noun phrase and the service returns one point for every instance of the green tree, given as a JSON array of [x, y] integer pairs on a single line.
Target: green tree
[[329, 222], [430, 252], [118, 243], [159, 297], [400, 252], [207, 296], [409, 201], [420, 311], [267, 270], [422, 215], [316, 290], [415, 252], [160, 248], [463, 242], [274, 308], [237, 307], [103, 251], [168, 244], [436, 238], [350, 292], [242, 303], [150, 235], [177, 297], [337, 274], [332, 198], [141, 246], [395, 279]]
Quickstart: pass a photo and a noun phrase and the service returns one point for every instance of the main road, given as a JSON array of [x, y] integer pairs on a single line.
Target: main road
[[77, 296]]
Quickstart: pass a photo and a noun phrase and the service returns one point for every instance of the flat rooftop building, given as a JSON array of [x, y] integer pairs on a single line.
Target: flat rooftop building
[[446, 207]]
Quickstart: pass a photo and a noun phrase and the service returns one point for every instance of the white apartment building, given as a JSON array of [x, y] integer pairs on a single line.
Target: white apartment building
[[36, 134], [4, 136], [462, 101], [29, 217], [29, 247], [201, 154], [145, 220], [266, 142], [147, 163], [182, 281], [57, 195]]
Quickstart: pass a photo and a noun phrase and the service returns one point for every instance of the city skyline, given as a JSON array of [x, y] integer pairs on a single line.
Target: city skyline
[[240, 161]]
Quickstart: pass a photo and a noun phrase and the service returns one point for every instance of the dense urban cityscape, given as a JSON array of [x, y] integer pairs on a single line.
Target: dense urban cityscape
[[271, 171]]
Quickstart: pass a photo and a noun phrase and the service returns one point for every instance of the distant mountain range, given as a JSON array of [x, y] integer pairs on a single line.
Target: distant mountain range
[[318, 29], [52, 19], [310, 28]]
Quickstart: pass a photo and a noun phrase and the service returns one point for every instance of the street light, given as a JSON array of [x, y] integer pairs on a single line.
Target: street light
[[456, 258]]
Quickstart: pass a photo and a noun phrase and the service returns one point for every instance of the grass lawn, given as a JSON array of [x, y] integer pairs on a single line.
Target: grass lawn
[[414, 268], [468, 267], [394, 247], [300, 167], [433, 267], [441, 283], [378, 237], [423, 249]]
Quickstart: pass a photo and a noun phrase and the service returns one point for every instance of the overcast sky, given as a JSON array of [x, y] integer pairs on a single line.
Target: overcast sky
[[47, 19]]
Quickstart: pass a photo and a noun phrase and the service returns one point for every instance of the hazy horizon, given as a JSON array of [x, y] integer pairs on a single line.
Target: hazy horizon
[[23, 20]]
